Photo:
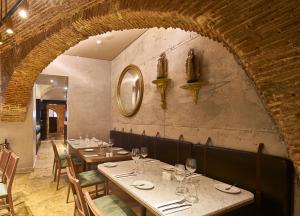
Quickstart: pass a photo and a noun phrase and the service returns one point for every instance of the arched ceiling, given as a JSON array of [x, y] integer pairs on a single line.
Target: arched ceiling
[[263, 35]]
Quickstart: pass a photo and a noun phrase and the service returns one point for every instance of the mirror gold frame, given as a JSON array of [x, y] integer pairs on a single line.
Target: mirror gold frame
[[122, 109]]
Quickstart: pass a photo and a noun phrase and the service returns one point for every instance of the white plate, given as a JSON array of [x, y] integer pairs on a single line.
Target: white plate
[[117, 148], [72, 139], [110, 164], [222, 187], [88, 150], [168, 167], [122, 152], [143, 185]]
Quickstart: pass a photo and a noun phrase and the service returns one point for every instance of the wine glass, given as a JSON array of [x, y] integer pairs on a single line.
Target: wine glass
[[144, 152], [191, 165], [135, 154], [179, 173]]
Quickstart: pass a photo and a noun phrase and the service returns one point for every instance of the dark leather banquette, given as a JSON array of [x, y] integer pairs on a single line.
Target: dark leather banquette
[[270, 178]]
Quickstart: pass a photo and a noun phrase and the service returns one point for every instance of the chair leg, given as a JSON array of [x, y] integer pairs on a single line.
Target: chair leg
[[55, 172], [96, 190], [53, 165], [11, 205], [68, 193], [58, 177]]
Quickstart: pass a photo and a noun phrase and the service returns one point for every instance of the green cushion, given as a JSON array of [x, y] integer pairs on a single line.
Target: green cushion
[[3, 190], [76, 160], [89, 178], [112, 206]]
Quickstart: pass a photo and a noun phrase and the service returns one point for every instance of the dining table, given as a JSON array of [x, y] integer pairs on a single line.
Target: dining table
[[211, 201], [90, 153]]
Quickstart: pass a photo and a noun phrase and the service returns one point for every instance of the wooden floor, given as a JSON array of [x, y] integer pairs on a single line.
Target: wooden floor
[[35, 193]]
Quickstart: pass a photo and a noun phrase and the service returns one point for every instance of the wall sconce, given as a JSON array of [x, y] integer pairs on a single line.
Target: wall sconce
[[9, 26], [23, 13]]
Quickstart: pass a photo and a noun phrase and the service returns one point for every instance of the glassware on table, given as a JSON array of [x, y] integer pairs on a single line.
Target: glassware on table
[[144, 152], [100, 145], [179, 173], [191, 165], [135, 154], [192, 193]]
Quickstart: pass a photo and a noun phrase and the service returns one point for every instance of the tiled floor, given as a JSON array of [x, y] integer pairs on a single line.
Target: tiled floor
[[35, 193]]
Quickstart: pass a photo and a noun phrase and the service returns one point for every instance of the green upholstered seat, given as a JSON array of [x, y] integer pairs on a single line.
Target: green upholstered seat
[[76, 160], [89, 178], [112, 206], [3, 190]]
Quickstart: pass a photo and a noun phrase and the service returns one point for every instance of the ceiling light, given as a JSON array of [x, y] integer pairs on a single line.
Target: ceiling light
[[23, 13], [66, 88], [9, 26], [99, 42], [51, 81], [107, 35]]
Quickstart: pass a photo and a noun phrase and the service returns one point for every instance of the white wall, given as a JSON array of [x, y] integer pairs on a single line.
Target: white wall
[[88, 94], [22, 139], [228, 110]]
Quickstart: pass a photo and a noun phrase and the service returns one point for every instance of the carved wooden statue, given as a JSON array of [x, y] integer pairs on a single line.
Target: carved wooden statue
[[192, 67], [162, 67]]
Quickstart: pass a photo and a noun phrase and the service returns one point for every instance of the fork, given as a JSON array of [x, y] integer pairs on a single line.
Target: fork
[[172, 203], [229, 187]]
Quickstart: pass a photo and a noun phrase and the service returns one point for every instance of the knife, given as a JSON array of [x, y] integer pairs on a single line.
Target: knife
[[176, 207]]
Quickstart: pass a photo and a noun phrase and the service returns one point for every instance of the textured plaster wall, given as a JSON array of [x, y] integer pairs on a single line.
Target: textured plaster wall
[[228, 109], [22, 139], [88, 94]]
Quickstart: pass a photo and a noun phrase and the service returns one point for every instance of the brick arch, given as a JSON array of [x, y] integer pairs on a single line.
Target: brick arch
[[263, 35]]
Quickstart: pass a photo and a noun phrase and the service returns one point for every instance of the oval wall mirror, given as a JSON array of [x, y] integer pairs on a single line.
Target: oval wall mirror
[[130, 90]]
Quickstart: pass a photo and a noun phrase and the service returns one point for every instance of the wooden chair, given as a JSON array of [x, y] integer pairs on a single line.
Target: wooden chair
[[87, 178], [5, 188], [60, 163], [5, 154], [109, 205]]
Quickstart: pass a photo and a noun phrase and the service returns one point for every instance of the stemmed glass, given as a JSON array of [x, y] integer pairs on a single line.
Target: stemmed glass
[[135, 154], [179, 173], [144, 152], [191, 165], [110, 144]]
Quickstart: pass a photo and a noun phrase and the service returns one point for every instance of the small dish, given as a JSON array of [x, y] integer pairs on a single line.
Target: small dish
[[117, 148], [168, 167], [110, 164], [122, 152], [226, 188], [71, 139], [143, 185], [88, 150]]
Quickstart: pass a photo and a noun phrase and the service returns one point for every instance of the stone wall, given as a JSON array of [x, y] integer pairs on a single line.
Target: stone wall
[[228, 110], [88, 101]]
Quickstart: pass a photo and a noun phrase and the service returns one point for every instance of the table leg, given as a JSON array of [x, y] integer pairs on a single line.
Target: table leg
[[144, 211]]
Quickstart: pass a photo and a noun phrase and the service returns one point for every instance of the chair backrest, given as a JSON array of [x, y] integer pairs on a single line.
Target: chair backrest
[[10, 170], [78, 196], [71, 165], [4, 159], [91, 204], [56, 155]]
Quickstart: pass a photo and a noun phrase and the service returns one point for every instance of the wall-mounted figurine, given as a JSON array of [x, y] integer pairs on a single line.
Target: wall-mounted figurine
[[192, 65], [162, 66]]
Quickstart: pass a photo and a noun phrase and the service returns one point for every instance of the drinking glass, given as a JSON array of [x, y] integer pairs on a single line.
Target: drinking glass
[[144, 152], [100, 147], [135, 154], [179, 173], [192, 194], [191, 165]]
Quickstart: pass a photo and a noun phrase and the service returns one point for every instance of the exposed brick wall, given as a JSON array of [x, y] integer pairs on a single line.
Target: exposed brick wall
[[264, 35]]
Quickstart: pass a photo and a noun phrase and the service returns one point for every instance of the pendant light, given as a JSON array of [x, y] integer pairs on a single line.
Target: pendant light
[[23, 12], [9, 26]]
